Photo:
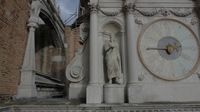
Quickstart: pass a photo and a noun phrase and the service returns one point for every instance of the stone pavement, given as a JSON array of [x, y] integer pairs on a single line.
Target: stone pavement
[[63, 105]]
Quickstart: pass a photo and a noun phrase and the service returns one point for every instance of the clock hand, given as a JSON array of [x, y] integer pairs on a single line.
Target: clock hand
[[156, 49]]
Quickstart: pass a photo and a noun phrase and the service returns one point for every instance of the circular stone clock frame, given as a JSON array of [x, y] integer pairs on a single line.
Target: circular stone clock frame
[[163, 77]]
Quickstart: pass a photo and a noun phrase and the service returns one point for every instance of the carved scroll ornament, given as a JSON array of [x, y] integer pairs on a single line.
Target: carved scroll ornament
[[74, 71]]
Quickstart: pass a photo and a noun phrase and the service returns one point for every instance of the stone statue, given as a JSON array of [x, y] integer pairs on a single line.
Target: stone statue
[[113, 60]]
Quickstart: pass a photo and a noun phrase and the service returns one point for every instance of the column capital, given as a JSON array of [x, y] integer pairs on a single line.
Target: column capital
[[33, 22], [93, 7], [129, 8]]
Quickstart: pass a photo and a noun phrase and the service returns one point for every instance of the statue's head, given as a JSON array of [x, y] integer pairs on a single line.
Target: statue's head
[[107, 36]]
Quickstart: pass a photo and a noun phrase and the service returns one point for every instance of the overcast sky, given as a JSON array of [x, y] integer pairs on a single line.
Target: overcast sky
[[68, 10]]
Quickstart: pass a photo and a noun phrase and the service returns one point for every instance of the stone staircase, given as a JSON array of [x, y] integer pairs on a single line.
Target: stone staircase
[[162, 107], [48, 87]]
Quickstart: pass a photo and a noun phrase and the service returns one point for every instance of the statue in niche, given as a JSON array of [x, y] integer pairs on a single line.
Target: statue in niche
[[112, 59]]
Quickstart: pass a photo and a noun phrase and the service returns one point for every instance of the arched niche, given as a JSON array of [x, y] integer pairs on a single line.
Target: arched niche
[[115, 29]]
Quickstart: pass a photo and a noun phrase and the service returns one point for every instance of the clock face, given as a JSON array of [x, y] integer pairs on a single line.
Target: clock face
[[169, 49]]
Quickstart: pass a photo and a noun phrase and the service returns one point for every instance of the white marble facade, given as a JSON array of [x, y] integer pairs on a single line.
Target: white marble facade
[[127, 21]]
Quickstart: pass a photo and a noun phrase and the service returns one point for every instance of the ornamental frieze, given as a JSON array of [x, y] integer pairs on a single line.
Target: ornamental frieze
[[178, 12], [150, 12], [113, 13]]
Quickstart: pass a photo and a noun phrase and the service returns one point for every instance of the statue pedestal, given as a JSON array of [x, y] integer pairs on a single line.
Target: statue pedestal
[[113, 93], [77, 91], [94, 94]]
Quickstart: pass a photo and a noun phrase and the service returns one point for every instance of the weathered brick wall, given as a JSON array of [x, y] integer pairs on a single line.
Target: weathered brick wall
[[72, 38], [13, 35]]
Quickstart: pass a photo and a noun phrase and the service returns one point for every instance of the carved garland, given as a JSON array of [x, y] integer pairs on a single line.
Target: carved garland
[[148, 12], [182, 12], [107, 13], [179, 12]]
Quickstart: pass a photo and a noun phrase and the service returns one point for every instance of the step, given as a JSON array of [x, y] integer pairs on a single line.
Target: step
[[162, 107]]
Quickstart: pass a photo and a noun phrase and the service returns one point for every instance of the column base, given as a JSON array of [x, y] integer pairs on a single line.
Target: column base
[[158, 92], [94, 94], [77, 91], [113, 93], [26, 91], [27, 87]]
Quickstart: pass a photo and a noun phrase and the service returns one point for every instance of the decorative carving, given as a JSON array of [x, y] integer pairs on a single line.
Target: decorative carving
[[194, 20], [147, 11], [129, 7], [141, 77], [74, 71], [110, 13], [84, 32], [35, 9], [164, 12], [138, 21], [179, 12], [93, 8]]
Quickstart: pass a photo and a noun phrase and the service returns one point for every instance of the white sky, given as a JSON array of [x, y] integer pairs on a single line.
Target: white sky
[[68, 10]]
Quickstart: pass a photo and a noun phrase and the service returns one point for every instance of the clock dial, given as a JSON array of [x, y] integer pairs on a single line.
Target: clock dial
[[169, 49]]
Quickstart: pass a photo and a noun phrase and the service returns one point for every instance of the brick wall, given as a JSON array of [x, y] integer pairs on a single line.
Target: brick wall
[[72, 38], [13, 33], [13, 36]]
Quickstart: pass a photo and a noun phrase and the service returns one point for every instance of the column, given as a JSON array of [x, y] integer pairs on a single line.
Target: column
[[94, 88], [27, 88], [132, 57], [131, 45]]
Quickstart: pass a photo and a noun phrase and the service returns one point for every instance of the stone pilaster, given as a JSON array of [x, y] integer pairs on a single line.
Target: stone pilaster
[[27, 88], [131, 43], [131, 48], [94, 88]]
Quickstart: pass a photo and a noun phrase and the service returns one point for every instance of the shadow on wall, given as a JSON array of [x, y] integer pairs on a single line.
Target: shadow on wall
[[197, 7]]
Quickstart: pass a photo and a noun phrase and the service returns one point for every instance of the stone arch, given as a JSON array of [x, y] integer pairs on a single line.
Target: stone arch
[[48, 45], [38, 8], [49, 20], [115, 21]]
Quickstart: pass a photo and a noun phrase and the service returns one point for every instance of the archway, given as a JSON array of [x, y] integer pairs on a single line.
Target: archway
[[49, 53]]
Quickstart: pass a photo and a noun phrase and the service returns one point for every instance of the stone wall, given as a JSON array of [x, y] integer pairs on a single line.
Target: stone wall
[[13, 33]]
